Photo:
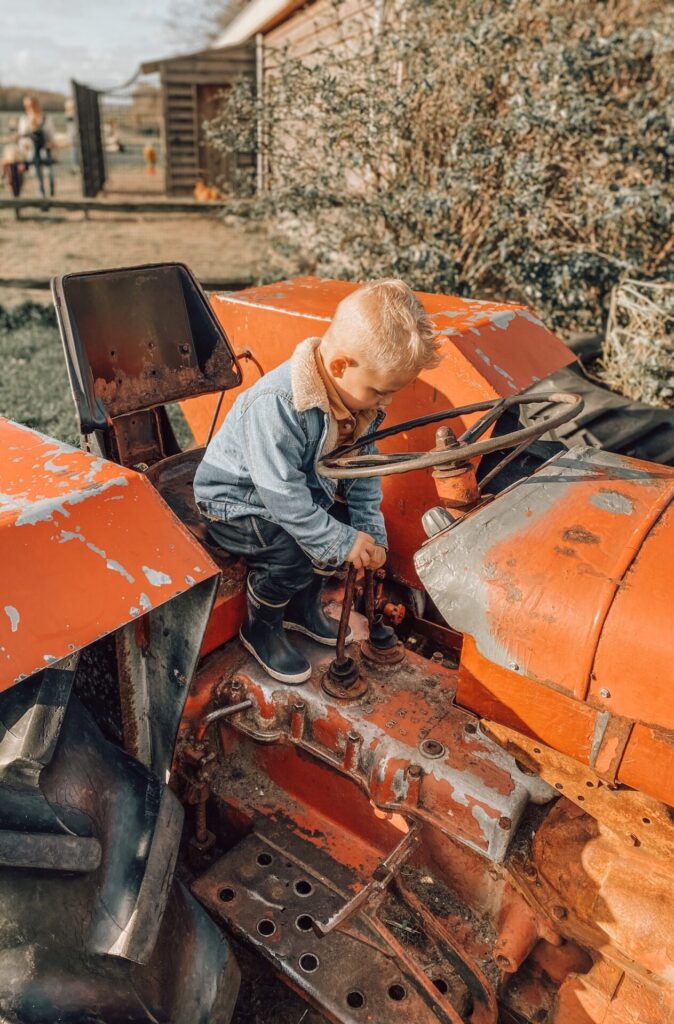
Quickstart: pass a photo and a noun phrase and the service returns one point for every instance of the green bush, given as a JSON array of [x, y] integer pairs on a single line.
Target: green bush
[[497, 149]]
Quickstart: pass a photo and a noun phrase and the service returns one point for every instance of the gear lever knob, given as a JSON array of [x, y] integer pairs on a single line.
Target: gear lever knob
[[435, 520]]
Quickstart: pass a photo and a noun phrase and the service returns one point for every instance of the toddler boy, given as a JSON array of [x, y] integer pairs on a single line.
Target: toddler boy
[[258, 483]]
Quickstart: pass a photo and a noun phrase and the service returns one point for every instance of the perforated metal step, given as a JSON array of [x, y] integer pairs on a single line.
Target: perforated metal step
[[272, 899]]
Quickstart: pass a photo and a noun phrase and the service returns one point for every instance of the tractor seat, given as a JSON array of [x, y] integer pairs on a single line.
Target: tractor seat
[[173, 478]]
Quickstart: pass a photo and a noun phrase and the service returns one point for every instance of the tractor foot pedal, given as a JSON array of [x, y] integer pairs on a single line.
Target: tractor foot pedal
[[269, 897]]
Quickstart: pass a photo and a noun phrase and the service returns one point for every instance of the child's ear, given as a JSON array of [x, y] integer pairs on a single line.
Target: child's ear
[[338, 365]]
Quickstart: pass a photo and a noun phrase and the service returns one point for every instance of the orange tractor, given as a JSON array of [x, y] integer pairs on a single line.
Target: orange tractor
[[469, 819]]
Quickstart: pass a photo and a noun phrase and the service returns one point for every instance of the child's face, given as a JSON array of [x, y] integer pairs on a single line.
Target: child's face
[[363, 388]]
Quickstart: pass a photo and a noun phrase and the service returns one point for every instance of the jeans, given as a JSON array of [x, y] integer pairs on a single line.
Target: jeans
[[39, 163], [279, 568]]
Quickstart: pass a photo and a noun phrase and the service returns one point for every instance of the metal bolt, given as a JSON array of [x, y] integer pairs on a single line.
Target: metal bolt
[[354, 742], [505, 823], [559, 912], [437, 657], [432, 748], [604, 693], [445, 438], [297, 716]]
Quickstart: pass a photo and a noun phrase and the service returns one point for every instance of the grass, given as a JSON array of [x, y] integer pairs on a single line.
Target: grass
[[34, 385]]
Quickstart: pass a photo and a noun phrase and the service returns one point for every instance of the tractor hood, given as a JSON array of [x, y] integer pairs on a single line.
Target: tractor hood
[[562, 588], [86, 546]]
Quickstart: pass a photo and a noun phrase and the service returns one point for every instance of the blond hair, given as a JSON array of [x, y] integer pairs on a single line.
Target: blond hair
[[400, 334]]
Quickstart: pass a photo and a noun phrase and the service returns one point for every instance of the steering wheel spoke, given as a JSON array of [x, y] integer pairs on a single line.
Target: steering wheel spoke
[[341, 464]]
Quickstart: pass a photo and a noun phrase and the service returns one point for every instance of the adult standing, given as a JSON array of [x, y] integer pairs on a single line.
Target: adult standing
[[36, 138]]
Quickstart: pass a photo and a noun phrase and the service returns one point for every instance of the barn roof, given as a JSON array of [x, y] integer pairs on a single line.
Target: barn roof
[[150, 66], [257, 16]]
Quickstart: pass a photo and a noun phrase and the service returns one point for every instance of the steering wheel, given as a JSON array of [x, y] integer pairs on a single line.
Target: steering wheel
[[339, 465]]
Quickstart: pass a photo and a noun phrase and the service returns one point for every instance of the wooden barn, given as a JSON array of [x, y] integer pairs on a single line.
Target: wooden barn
[[308, 30], [190, 84]]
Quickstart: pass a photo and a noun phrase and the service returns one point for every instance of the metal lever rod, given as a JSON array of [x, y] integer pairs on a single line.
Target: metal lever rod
[[381, 877], [369, 596], [347, 604]]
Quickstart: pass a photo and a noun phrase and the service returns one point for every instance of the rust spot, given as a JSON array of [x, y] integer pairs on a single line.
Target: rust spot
[[579, 535], [567, 552]]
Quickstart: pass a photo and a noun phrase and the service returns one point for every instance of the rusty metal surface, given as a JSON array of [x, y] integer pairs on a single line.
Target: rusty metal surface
[[137, 337], [85, 546], [638, 820], [560, 579], [156, 659], [542, 563], [272, 896], [546, 901], [606, 894], [474, 792], [637, 637]]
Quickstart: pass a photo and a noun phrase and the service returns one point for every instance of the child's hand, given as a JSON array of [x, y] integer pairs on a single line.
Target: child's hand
[[362, 550], [378, 557]]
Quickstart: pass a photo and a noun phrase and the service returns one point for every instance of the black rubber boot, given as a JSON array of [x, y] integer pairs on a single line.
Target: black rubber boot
[[262, 634], [305, 614]]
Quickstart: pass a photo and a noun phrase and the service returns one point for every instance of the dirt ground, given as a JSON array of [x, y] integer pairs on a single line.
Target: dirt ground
[[43, 244]]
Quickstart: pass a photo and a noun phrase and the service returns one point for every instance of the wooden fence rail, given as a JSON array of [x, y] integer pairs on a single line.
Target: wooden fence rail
[[113, 206], [209, 285]]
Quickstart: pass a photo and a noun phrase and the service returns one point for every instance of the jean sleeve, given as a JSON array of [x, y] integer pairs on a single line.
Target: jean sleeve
[[274, 446], [363, 499]]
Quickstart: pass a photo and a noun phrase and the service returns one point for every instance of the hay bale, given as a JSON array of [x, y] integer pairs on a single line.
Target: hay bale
[[638, 352]]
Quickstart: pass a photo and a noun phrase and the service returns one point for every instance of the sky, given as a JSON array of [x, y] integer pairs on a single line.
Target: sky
[[45, 43]]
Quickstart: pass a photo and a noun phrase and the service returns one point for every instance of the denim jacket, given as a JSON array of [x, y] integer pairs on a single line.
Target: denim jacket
[[263, 462]]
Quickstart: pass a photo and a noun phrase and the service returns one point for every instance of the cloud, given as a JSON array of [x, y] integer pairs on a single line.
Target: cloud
[[52, 41], [22, 58]]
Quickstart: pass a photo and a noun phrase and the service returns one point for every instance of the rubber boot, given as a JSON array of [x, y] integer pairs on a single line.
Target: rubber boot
[[305, 614], [262, 635]]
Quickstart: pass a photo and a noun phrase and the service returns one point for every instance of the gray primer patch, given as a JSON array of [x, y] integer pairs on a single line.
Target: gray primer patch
[[145, 602], [504, 373], [503, 318], [155, 577], [455, 565], [42, 510], [66, 535], [116, 567], [613, 501], [13, 617], [528, 315], [190, 581]]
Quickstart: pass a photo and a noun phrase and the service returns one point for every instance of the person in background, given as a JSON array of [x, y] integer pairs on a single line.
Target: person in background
[[36, 139], [13, 169]]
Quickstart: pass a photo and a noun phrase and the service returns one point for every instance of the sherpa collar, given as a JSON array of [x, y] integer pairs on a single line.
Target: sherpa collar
[[308, 387]]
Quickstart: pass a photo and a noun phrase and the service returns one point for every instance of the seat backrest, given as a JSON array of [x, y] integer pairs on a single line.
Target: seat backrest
[[135, 339]]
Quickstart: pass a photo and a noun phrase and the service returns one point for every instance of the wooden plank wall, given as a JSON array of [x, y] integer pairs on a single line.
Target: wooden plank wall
[[181, 78], [323, 31]]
